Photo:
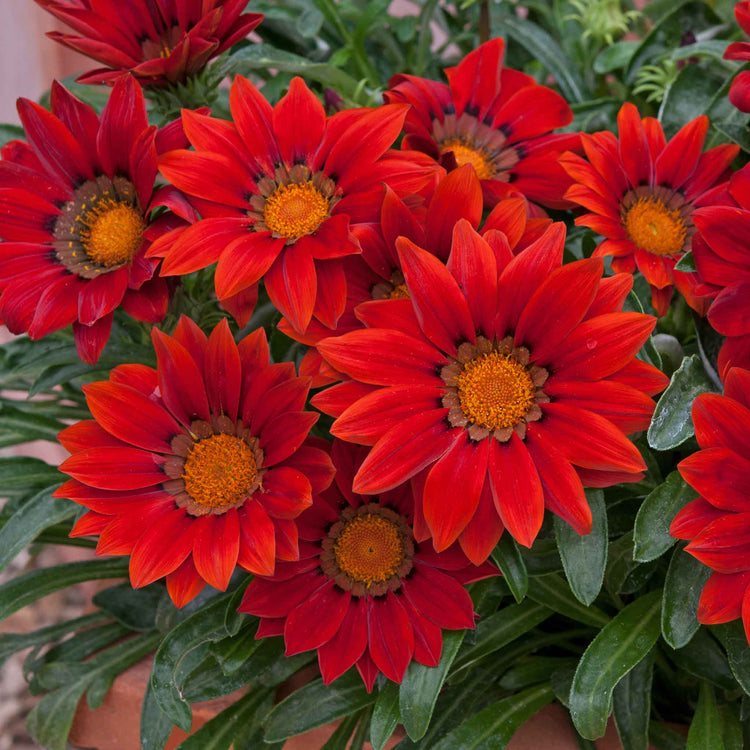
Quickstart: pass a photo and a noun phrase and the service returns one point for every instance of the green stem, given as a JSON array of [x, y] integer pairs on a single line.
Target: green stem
[[484, 21]]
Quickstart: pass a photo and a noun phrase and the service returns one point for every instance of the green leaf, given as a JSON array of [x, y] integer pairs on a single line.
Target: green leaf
[[507, 557], [500, 629], [385, 715], [705, 729], [35, 515], [540, 45], [21, 591], [651, 537], [614, 57], [493, 727], [205, 626], [731, 727], [733, 638], [421, 686], [263, 56], [664, 738], [23, 473], [50, 720], [682, 589], [219, 733], [134, 608], [316, 704], [155, 724], [672, 424], [339, 740], [624, 574], [632, 705], [686, 263], [584, 558], [552, 591], [610, 656], [233, 653], [704, 658], [534, 670], [689, 96], [23, 427], [9, 132]]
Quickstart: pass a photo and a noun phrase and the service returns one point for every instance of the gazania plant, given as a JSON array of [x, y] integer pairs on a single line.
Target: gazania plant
[[383, 373]]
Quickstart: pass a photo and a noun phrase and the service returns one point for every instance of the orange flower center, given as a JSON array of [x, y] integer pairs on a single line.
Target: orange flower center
[[399, 292], [467, 153], [111, 232], [370, 549], [655, 228], [295, 210], [495, 391], [219, 471]]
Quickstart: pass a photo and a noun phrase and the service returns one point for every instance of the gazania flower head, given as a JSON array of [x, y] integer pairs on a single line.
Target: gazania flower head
[[364, 592], [158, 41], [739, 92], [641, 190], [75, 219], [722, 258], [278, 190], [198, 466], [377, 274], [502, 386], [718, 522], [497, 119]]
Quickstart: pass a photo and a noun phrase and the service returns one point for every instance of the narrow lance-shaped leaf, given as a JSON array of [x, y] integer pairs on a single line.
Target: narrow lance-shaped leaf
[[421, 686], [385, 715], [632, 705], [552, 591], [651, 537], [705, 728], [685, 579], [609, 657], [733, 638], [584, 558], [507, 557]]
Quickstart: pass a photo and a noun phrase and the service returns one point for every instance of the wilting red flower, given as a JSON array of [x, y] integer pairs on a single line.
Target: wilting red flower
[[722, 258], [503, 386], [497, 119], [197, 466], [718, 522], [641, 191], [364, 591], [158, 41], [277, 191], [377, 274], [75, 209], [739, 92]]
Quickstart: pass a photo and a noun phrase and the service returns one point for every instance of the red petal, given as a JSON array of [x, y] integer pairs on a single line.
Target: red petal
[[678, 160], [299, 122], [287, 540], [516, 489], [721, 598], [286, 493], [730, 311], [114, 468], [130, 416], [720, 475], [428, 637], [723, 545], [404, 451], [439, 598], [223, 372], [244, 260], [483, 532], [446, 511], [316, 465], [286, 435], [90, 524], [634, 151], [254, 351], [216, 547], [271, 598], [253, 115], [737, 386], [721, 422], [390, 635], [347, 645], [291, 283], [693, 518], [87, 434], [184, 584], [257, 540], [316, 620], [163, 548]]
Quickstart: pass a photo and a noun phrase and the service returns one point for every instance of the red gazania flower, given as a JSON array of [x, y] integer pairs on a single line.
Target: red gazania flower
[[197, 466], [739, 92], [364, 591], [497, 119], [641, 191], [277, 191], [722, 258], [377, 274], [158, 41], [75, 220], [718, 522], [502, 386]]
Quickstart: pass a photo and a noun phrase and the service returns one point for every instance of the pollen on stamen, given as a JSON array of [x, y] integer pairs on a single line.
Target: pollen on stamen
[[495, 391], [466, 153], [295, 210], [654, 227], [112, 233]]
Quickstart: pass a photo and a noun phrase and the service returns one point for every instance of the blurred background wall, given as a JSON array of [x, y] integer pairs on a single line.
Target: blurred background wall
[[29, 61]]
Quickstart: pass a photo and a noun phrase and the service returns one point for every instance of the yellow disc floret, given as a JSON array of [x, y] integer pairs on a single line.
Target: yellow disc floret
[[495, 391], [655, 228], [219, 471], [295, 210], [369, 549], [399, 292], [465, 153], [112, 232]]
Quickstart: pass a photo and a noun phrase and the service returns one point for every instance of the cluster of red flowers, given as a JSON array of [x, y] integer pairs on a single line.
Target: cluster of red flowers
[[474, 378]]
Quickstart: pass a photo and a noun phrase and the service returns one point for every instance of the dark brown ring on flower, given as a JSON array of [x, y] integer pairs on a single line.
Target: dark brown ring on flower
[[101, 229], [492, 390], [368, 551], [394, 289], [215, 466]]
